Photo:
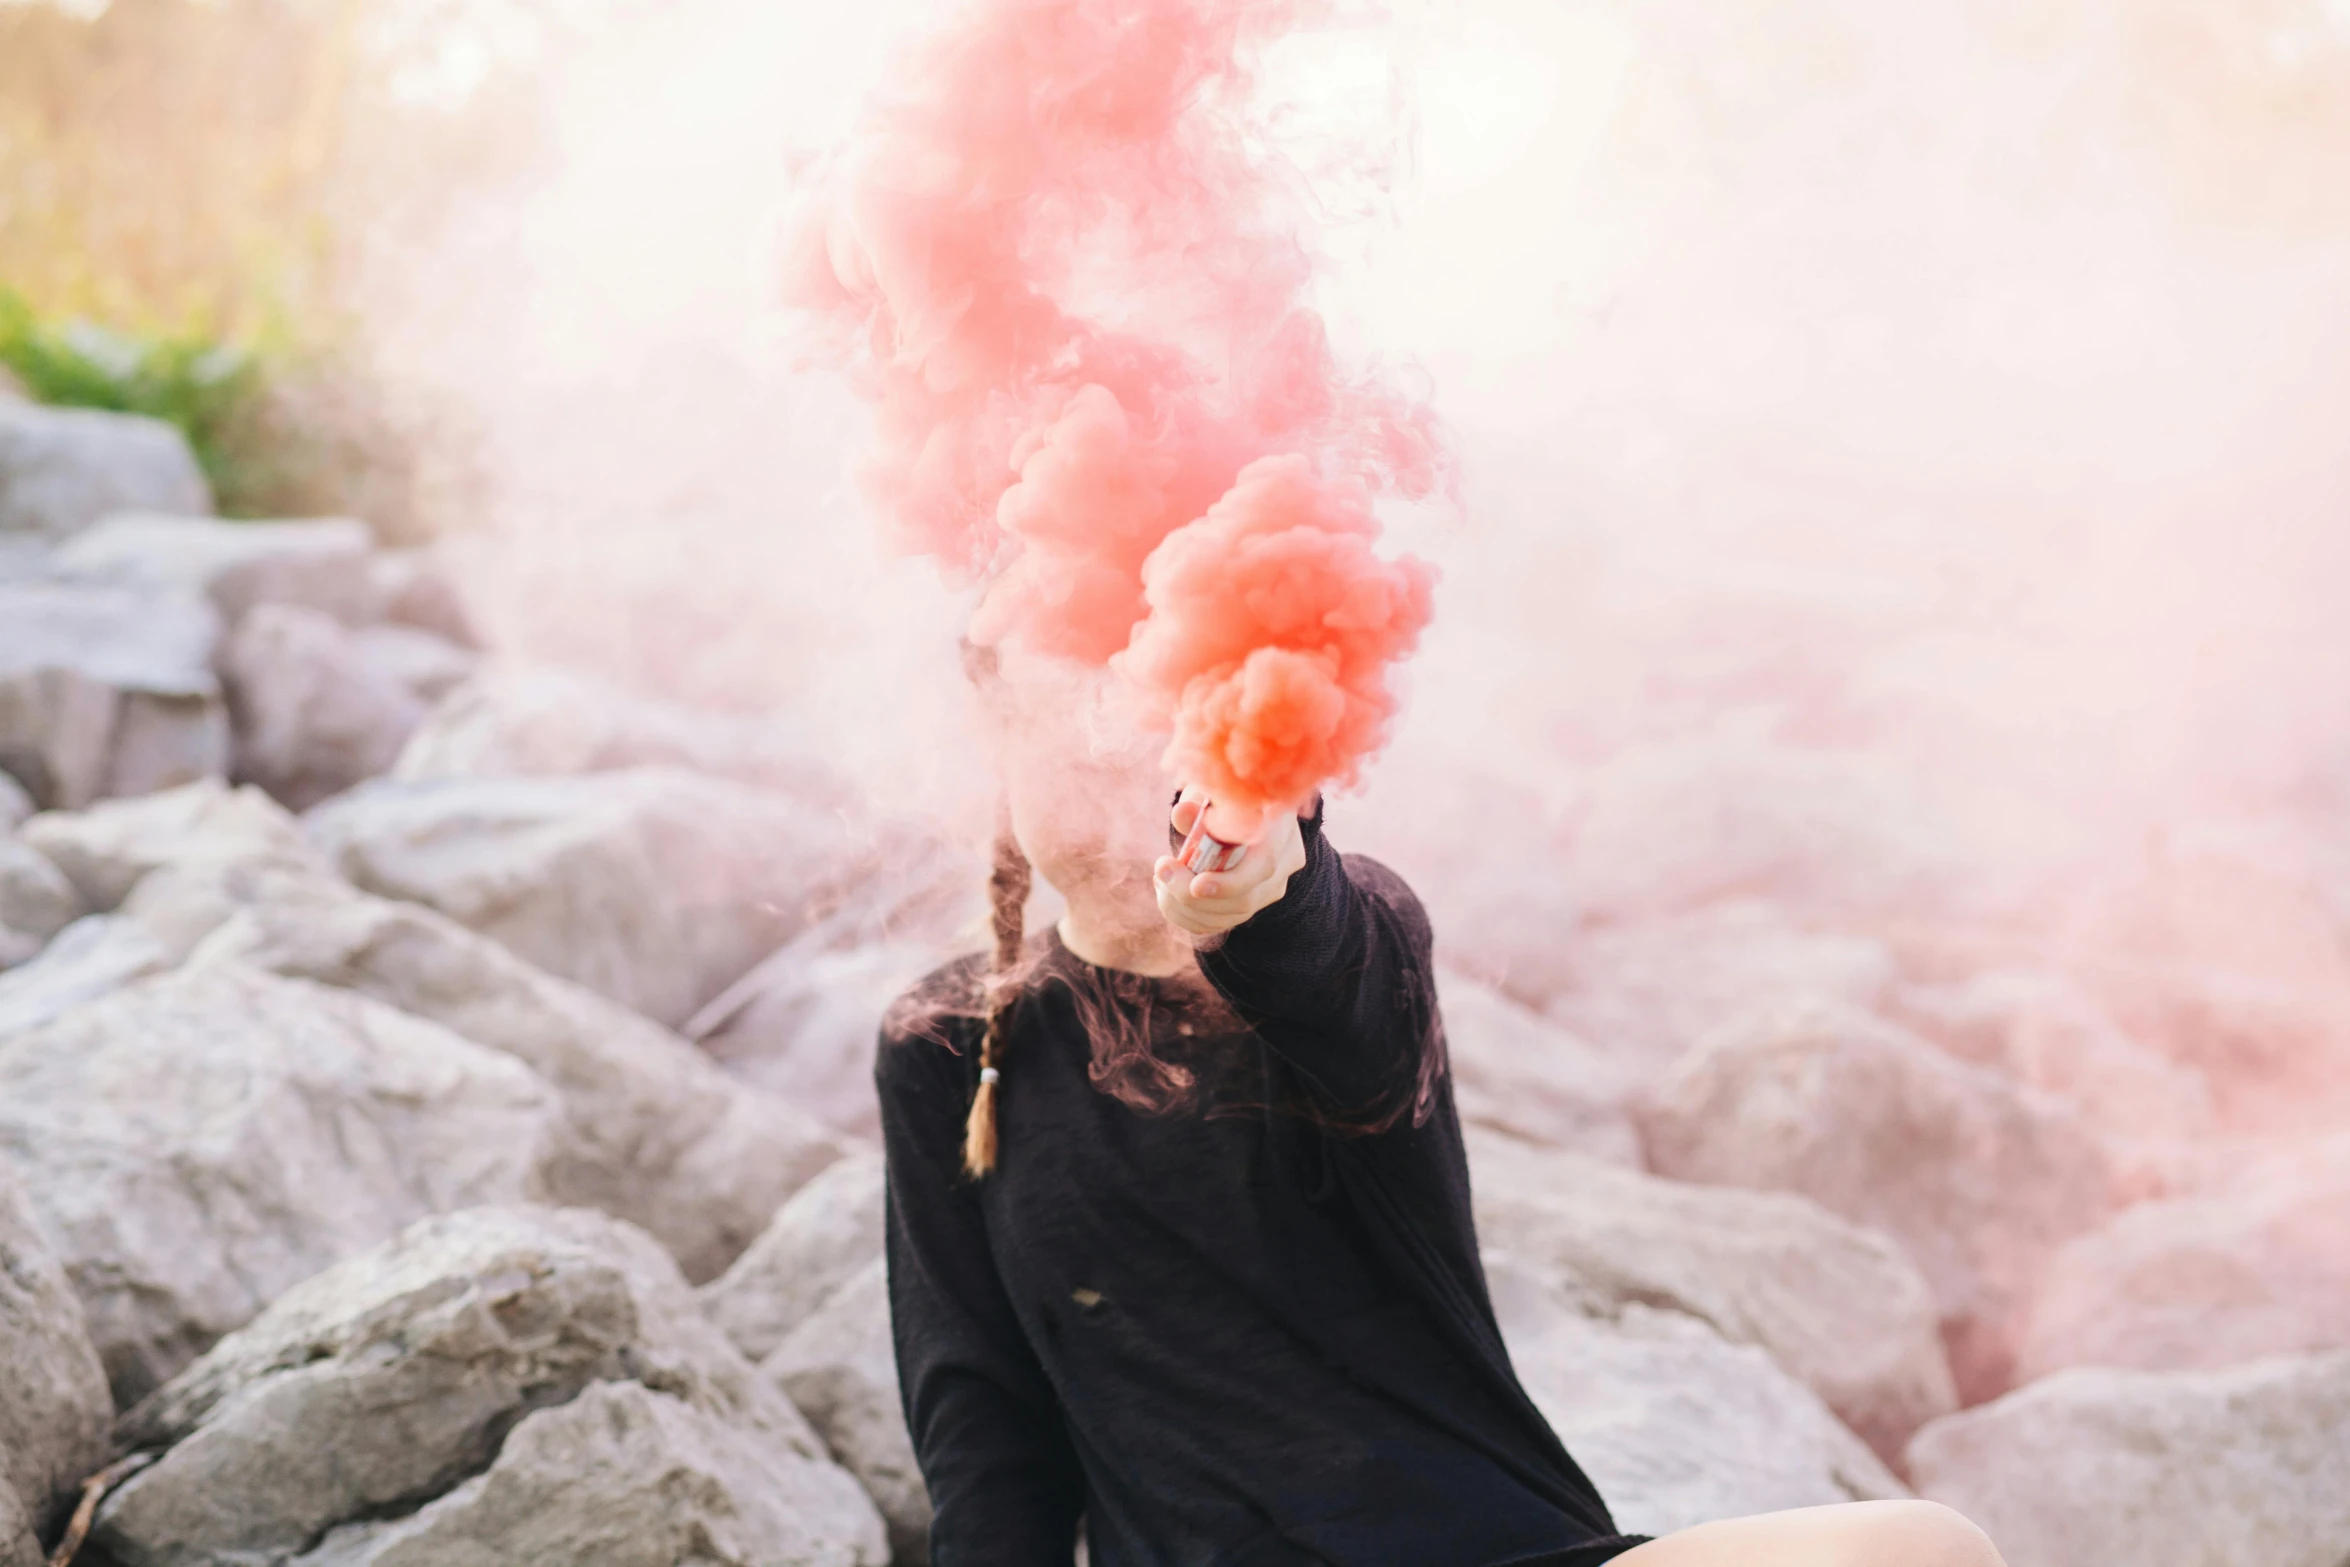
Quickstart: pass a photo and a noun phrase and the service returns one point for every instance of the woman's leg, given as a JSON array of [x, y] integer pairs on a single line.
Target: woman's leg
[[1855, 1534]]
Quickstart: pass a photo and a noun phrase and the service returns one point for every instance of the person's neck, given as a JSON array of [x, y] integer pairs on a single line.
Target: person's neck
[[1149, 947]]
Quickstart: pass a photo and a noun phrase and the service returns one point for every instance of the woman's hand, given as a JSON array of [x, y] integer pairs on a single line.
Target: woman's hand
[[1214, 902]]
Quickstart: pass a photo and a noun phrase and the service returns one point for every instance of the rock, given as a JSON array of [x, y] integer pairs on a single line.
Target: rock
[[36, 901], [107, 692], [652, 886], [412, 588], [15, 804], [55, 1410], [514, 722], [1649, 992], [384, 1388], [651, 1129], [313, 713], [623, 1476], [840, 1367], [1980, 1181], [2044, 1031], [317, 565], [2256, 1268], [1840, 1308], [1517, 1073], [1675, 1425], [803, 1024], [106, 850], [201, 1140], [18, 1547], [90, 958], [429, 665], [828, 1233], [2156, 1469], [61, 469], [1666, 827]]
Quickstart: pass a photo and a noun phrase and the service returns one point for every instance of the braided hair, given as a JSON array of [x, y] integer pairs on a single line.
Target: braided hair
[[1008, 881]]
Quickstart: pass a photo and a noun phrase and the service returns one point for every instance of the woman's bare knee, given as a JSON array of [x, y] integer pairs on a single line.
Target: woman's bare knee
[[1932, 1535], [1855, 1534]]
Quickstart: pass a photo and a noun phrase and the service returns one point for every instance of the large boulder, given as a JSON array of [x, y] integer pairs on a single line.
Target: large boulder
[[653, 886], [501, 1385], [92, 957], [1676, 1425], [2044, 1031], [36, 901], [522, 721], [810, 1302], [15, 804], [1519, 1073], [1979, 1180], [62, 469], [54, 1406], [107, 691], [1650, 991], [804, 1022], [828, 1233], [840, 1367], [651, 1129], [2255, 1268], [314, 711], [106, 850], [2155, 1469], [1840, 1308], [198, 1141], [320, 565]]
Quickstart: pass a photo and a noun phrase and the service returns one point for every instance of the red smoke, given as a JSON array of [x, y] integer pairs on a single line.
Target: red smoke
[[1065, 271]]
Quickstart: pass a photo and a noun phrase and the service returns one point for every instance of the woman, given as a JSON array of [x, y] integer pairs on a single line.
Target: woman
[[1180, 1243]]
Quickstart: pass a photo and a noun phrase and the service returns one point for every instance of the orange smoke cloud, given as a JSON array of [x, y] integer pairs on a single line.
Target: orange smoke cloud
[[1063, 269], [1271, 630]]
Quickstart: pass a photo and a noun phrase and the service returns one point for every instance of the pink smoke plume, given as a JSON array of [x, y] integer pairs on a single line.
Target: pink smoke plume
[[1071, 282]]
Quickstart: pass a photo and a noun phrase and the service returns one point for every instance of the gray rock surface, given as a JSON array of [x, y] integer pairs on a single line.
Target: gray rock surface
[[107, 691], [18, 1546], [623, 1476], [1840, 1308], [15, 804], [2258, 1267], [499, 1385], [320, 565], [1515, 1071], [313, 711], [200, 1140], [426, 662], [105, 851], [90, 958], [1650, 991], [62, 469], [804, 1023], [651, 1129], [36, 901], [513, 721], [840, 1367], [825, 1236], [55, 1410], [1980, 1181], [415, 587], [2155, 1469], [652, 886], [1676, 1425]]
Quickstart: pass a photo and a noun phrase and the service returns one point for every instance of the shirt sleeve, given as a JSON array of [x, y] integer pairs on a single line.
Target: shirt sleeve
[[1005, 1486], [1337, 978]]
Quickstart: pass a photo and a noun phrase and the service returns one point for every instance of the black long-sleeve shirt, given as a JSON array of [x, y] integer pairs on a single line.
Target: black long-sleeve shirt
[[1257, 1337]]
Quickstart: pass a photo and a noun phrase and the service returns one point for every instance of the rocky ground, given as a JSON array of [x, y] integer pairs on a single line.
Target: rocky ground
[[430, 1135]]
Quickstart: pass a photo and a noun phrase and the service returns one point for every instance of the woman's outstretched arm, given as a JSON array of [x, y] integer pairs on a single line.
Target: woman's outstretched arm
[[1005, 1486], [1326, 956]]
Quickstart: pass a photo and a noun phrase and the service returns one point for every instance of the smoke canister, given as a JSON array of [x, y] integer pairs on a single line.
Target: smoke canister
[[1203, 851]]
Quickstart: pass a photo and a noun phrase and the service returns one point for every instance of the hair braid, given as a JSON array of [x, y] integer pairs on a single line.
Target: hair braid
[[1007, 894]]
